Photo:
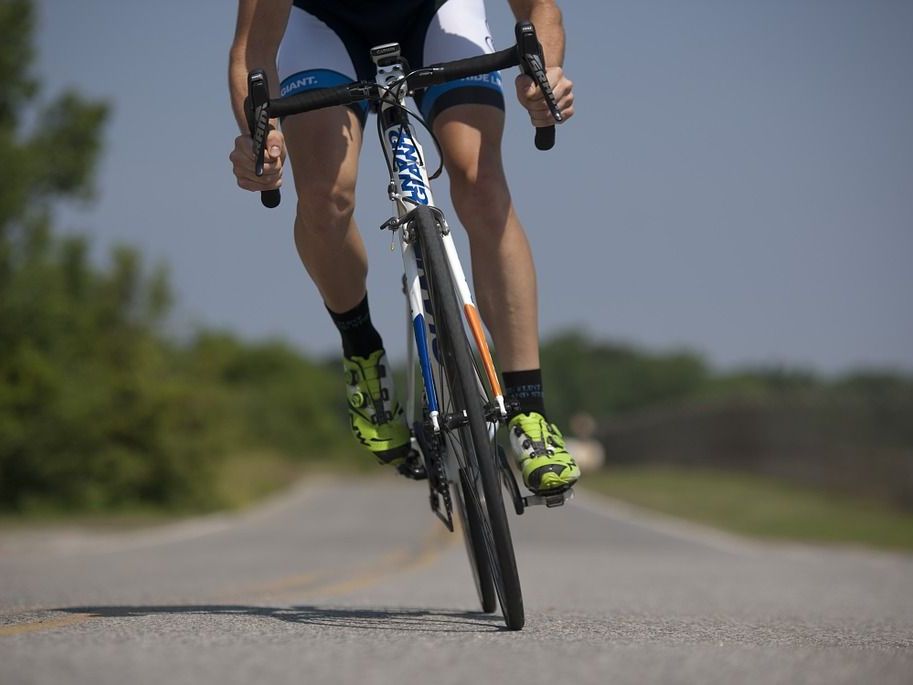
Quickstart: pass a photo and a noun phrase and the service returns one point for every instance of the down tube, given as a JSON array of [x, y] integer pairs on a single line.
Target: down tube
[[420, 329], [475, 324]]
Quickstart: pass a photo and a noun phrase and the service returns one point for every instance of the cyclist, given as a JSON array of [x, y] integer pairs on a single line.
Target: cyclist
[[307, 44]]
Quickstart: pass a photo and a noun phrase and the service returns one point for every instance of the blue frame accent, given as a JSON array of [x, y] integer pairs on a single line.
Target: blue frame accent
[[408, 165], [421, 343]]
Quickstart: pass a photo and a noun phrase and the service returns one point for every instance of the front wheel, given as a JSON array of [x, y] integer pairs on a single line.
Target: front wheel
[[471, 523], [468, 438]]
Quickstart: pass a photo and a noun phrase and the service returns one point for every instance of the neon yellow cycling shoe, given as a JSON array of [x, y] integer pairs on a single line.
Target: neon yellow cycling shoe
[[541, 455], [376, 417]]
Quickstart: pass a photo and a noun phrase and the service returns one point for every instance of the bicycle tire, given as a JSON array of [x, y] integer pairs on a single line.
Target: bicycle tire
[[478, 450], [475, 547]]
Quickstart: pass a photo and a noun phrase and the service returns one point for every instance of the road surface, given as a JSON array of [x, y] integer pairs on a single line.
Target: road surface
[[356, 582]]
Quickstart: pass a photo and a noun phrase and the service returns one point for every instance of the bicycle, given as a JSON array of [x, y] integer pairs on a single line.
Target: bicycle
[[455, 424]]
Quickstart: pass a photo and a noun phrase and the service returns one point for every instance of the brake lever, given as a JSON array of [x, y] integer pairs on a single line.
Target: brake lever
[[532, 63], [256, 108]]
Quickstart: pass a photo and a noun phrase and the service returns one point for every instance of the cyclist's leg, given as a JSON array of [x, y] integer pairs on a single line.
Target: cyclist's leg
[[468, 118], [502, 265], [323, 148], [504, 279]]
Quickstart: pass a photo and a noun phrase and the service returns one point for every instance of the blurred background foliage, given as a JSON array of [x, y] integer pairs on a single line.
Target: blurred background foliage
[[102, 410], [99, 410]]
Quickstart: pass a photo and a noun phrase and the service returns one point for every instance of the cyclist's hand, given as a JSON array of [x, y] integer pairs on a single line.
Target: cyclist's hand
[[244, 160], [531, 97]]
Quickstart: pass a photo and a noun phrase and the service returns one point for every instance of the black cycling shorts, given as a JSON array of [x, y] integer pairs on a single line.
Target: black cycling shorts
[[328, 42]]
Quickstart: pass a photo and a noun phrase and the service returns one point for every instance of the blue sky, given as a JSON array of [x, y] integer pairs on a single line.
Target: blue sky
[[738, 178]]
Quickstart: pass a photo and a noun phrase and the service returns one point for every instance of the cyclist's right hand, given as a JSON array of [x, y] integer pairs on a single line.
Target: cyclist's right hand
[[243, 161]]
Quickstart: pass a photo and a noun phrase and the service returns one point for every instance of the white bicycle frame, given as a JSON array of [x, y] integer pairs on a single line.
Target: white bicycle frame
[[409, 188]]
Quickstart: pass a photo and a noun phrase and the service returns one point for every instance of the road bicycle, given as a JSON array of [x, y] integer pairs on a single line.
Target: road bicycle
[[458, 405]]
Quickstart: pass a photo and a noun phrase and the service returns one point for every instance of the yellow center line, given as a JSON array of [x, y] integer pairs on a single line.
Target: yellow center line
[[47, 624], [397, 562]]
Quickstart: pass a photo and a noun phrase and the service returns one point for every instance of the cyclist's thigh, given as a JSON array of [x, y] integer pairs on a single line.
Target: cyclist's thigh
[[457, 30], [470, 137], [323, 146], [323, 149]]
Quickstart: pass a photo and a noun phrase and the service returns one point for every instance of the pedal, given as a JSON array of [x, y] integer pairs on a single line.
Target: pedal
[[413, 468], [550, 500]]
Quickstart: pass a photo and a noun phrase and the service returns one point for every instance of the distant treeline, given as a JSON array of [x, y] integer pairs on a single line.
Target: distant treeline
[[852, 433], [613, 381]]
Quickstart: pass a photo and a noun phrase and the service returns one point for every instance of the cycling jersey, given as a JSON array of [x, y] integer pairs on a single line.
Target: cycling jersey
[[328, 42]]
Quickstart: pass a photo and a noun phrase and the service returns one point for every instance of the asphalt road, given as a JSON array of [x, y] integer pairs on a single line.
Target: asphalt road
[[356, 582]]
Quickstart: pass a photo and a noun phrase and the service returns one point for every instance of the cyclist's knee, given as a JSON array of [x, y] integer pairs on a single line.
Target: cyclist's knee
[[325, 208], [471, 138], [323, 150], [479, 192]]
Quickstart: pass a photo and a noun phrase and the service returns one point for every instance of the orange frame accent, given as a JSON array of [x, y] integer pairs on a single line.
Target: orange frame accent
[[475, 325]]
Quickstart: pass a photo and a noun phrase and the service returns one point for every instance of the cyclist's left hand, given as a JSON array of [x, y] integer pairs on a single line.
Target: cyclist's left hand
[[534, 101]]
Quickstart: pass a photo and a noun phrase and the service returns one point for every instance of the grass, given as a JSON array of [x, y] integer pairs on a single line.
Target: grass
[[248, 477], [757, 505], [243, 479]]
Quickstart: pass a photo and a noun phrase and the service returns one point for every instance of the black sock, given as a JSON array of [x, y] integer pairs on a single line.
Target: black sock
[[359, 337], [524, 388]]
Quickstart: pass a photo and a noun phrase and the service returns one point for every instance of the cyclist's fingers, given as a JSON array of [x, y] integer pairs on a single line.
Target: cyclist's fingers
[[248, 185], [530, 95], [240, 159], [271, 166], [527, 89], [260, 182], [244, 161], [562, 89], [541, 118], [566, 106], [244, 147], [248, 171], [567, 111], [245, 167], [539, 109], [275, 146], [555, 76]]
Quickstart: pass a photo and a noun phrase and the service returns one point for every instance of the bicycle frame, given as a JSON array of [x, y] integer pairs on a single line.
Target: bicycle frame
[[409, 188]]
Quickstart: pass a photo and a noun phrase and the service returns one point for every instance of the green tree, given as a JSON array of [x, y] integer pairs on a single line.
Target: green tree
[[90, 415]]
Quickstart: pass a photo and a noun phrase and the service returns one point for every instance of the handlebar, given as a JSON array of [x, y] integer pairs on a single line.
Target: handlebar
[[527, 54]]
